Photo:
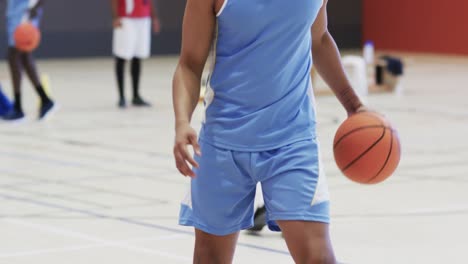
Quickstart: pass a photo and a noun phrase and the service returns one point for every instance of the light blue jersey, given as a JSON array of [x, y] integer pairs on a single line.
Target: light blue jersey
[[260, 122], [258, 93], [17, 7]]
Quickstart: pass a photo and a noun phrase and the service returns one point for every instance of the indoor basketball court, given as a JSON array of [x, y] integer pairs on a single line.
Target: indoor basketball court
[[98, 184]]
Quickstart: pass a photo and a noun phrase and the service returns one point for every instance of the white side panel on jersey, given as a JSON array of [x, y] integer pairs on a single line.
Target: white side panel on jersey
[[209, 92], [188, 198]]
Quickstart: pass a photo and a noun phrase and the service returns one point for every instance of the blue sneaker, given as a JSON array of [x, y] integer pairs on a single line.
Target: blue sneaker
[[14, 115], [46, 109], [5, 104]]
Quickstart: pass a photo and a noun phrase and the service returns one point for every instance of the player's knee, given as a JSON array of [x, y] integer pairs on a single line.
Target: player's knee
[[320, 258]]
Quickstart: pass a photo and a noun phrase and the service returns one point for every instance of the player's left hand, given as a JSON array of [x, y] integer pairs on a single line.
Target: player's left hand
[[360, 109], [363, 108], [156, 25]]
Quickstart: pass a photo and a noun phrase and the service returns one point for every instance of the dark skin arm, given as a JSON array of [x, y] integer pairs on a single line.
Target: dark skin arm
[[197, 35], [116, 23], [35, 8], [327, 61], [155, 17]]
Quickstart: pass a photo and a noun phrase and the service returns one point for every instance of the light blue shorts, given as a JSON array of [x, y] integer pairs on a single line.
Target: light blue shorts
[[221, 197]]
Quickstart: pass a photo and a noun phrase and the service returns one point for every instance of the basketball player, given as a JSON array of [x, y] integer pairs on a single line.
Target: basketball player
[[132, 41], [259, 123], [19, 11]]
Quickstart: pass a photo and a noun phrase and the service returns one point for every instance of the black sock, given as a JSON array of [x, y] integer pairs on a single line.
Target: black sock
[[17, 104], [136, 71], [119, 72], [42, 94]]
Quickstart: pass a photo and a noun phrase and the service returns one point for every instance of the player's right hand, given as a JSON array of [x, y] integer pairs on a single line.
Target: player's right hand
[[117, 23], [185, 135], [156, 25]]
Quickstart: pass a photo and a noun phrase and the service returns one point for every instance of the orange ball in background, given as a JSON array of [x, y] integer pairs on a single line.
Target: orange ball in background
[[27, 37], [367, 148]]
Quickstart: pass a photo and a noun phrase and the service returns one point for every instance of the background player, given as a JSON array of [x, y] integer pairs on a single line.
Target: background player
[[132, 21], [19, 11]]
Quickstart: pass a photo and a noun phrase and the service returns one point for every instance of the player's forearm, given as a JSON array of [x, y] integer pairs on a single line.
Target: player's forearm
[[154, 13], [327, 61], [114, 7], [185, 93]]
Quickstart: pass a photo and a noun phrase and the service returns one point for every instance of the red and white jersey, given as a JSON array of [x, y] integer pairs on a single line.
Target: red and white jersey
[[134, 8]]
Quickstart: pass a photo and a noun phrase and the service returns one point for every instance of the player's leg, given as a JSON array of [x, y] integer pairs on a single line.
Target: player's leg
[[296, 197], [27, 61], [29, 65], [212, 249], [142, 51], [219, 204], [14, 63], [136, 75], [120, 78], [122, 48], [47, 105], [14, 18], [308, 242]]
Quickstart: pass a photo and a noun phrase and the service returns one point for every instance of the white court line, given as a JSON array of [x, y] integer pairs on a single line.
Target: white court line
[[92, 246], [420, 212], [95, 239]]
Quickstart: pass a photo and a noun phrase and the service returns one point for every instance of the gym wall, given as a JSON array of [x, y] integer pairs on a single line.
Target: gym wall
[[83, 28], [427, 26], [345, 22]]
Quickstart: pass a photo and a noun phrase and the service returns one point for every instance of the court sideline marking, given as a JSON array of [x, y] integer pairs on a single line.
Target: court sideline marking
[[99, 242], [128, 221]]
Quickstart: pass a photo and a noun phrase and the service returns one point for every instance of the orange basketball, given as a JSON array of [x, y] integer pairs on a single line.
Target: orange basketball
[[366, 148], [27, 37]]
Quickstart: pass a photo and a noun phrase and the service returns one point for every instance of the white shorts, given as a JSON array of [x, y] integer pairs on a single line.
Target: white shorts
[[133, 38]]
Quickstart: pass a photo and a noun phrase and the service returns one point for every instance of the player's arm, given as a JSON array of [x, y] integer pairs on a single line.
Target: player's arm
[[197, 35], [327, 61], [155, 17], [116, 22]]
